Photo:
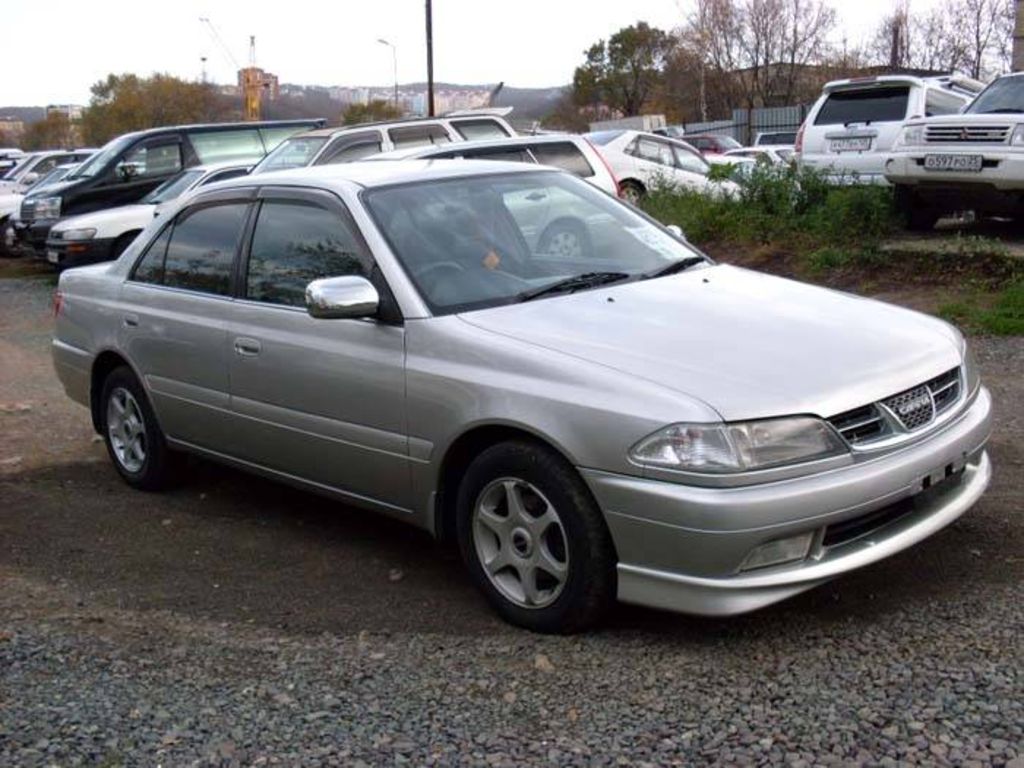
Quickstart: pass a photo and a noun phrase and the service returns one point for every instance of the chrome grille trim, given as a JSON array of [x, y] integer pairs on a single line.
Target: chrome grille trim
[[976, 134], [901, 415]]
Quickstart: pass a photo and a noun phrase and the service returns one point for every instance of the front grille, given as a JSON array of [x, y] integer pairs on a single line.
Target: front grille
[[973, 134], [911, 410], [859, 425], [28, 210], [945, 390]]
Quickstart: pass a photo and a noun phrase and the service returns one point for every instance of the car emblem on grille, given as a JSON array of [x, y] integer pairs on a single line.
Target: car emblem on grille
[[913, 408], [964, 134]]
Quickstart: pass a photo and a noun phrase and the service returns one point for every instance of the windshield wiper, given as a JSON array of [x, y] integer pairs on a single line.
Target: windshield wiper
[[676, 266], [574, 283]]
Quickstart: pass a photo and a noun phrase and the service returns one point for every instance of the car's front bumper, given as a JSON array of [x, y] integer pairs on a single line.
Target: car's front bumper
[[1002, 170], [75, 253], [682, 547]]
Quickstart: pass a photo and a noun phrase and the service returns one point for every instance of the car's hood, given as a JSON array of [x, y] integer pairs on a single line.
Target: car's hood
[[962, 118], [122, 218], [747, 344]]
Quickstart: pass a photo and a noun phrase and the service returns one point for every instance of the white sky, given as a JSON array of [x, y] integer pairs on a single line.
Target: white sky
[[526, 43]]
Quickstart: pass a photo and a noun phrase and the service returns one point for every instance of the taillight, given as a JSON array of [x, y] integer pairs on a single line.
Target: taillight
[[798, 145], [58, 303], [618, 187]]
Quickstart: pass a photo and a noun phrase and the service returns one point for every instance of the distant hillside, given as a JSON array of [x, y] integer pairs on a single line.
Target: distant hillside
[[25, 114]]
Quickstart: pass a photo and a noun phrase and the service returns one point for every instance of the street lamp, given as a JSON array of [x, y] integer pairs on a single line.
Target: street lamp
[[394, 66]]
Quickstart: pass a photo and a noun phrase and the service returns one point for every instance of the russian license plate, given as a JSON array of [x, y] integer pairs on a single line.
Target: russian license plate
[[860, 144], [52, 256], [967, 163]]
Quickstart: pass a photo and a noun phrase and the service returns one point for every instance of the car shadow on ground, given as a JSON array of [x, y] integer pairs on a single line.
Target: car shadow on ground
[[228, 546]]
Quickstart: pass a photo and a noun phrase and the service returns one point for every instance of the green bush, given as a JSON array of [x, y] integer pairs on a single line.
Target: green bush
[[782, 205], [1003, 316]]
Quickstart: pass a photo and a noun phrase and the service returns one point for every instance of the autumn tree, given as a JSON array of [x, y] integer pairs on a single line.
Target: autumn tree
[[623, 72], [375, 110], [124, 103], [55, 131]]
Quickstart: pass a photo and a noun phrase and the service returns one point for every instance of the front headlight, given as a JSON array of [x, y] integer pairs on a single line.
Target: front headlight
[[740, 447], [911, 136], [1017, 137], [47, 208], [78, 234]]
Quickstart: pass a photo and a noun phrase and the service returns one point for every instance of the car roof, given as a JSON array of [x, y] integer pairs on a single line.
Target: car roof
[[338, 130], [368, 173], [459, 146]]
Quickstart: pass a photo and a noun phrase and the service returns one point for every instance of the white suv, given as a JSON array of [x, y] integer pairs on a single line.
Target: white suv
[[855, 122], [970, 161]]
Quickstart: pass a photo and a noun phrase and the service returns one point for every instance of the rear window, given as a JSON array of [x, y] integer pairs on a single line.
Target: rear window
[[874, 105], [603, 137], [565, 155], [471, 130], [220, 146]]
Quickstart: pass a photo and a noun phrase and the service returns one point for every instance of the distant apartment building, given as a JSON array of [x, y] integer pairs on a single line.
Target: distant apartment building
[[72, 112], [12, 127], [268, 81]]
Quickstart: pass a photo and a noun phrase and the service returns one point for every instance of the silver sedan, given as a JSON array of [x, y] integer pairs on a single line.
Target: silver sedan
[[632, 422]]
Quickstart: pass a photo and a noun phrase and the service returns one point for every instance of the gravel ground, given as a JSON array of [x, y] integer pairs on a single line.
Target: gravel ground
[[237, 622]]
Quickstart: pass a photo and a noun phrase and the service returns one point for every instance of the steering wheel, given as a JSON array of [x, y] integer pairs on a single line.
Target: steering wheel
[[437, 266]]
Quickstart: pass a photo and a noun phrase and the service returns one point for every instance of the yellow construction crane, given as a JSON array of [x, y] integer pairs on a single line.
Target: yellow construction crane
[[250, 77]]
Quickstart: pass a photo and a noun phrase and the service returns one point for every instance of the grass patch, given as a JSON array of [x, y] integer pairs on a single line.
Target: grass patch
[[1000, 313]]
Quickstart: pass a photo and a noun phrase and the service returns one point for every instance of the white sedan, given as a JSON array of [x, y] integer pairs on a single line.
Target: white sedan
[[642, 161]]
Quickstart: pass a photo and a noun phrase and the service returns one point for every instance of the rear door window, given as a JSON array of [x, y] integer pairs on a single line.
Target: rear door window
[[875, 105], [222, 146], [482, 128], [156, 159], [565, 155], [419, 135], [201, 252], [352, 147], [295, 243]]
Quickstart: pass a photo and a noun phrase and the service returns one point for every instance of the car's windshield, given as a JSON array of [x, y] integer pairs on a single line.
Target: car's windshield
[[173, 187], [480, 241], [55, 175], [293, 153], [1003, 96], [16, 170], [97, 162]]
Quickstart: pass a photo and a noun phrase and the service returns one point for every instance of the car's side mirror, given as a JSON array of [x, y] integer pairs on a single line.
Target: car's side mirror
[[30, 178], [336, 298], [676, 230]]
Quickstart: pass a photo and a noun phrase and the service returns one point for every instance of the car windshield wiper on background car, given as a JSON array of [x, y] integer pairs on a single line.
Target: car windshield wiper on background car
[[676, 266], [574, 283]]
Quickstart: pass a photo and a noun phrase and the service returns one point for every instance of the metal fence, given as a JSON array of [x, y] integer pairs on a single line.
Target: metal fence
[[747, 123]]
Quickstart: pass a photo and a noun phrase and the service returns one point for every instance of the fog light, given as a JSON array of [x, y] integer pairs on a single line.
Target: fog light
[[779, 551]]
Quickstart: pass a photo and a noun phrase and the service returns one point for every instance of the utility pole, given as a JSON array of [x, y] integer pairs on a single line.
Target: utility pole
[[1017, 63], [430, 61]]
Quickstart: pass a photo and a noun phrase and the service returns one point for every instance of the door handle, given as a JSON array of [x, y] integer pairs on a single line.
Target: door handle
[[131, 321], [247, 347]]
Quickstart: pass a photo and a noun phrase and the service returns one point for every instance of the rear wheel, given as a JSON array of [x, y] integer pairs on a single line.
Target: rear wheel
[[534, 540], [133, 437], [632, 191], [565, 239]]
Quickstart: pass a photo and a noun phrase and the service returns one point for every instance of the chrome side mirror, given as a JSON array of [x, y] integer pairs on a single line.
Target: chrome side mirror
[[676, 230], [336, 298]]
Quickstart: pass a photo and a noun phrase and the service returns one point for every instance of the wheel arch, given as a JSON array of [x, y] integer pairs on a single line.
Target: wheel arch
[[105, 362], [458, 456]]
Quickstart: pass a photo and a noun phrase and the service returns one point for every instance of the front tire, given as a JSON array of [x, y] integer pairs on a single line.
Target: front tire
[[534, 540], [916, 214], [132, 435]]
